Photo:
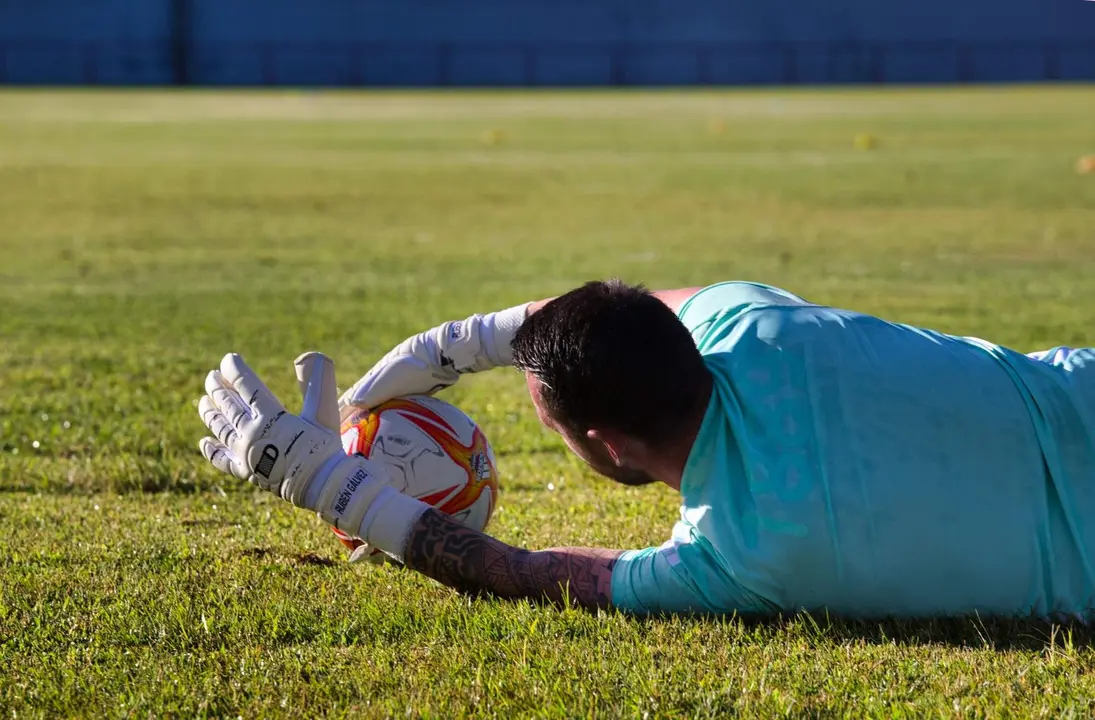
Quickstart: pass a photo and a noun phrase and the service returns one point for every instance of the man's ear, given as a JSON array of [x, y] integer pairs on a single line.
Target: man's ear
[[614, 442]]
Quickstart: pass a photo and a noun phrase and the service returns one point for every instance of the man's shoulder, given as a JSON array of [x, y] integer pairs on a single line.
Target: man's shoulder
[[716, 306]]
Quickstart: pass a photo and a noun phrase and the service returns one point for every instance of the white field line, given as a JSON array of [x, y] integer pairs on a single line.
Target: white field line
[[394, 160], [304, 106]]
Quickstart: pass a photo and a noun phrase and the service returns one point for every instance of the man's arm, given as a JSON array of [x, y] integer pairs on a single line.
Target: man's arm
[[436, 358], [475, 563]]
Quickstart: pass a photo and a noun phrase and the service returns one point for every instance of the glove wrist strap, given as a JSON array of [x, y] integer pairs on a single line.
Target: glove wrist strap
[[497, 331], [314, 492], [481, 342], [387, 526], [354, 496], [348, 492]]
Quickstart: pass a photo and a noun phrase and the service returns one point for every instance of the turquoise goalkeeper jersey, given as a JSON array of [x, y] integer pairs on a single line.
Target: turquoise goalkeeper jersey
[[870, 468]]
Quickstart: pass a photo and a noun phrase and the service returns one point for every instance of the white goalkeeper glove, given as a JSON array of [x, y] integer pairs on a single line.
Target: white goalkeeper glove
[[435, 359], [316, 376], [299, 458]]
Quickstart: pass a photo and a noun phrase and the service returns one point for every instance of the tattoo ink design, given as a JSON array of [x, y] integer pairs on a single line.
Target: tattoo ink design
[[477, 564]]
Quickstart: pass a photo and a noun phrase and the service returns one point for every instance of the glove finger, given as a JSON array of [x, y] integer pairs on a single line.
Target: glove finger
[[361, 391], [217, 423], [316, 376], [222, 458], [227, 400], [250, 387], [396, 377]]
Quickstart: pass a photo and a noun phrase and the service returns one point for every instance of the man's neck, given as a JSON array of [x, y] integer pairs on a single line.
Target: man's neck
[[669, 465]]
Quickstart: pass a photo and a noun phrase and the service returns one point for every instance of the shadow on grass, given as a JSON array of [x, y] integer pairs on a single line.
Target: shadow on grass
[[136, 486], [300, 559], [1003, 634], [1031, 634]]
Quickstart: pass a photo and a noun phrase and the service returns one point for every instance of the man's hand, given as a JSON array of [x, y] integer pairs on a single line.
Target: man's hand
[[256, 439], [435, 359], [299, 458]]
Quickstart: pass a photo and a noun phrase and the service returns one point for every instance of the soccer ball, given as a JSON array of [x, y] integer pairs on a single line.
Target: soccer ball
[[433, 452]]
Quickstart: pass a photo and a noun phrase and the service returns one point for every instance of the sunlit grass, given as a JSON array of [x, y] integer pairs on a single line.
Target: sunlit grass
[[143, 235]]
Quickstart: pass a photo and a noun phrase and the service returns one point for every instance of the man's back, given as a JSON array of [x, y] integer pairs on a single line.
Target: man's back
[[872, 468]]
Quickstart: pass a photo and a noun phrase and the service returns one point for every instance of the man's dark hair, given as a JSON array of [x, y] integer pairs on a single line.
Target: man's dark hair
[[613, 356]]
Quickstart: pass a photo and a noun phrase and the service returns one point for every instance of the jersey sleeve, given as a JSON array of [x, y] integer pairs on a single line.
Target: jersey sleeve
[[682, 575], [715, 305]]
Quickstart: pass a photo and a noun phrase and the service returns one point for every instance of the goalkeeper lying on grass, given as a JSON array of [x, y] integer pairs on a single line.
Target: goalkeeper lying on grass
[[826, 460]]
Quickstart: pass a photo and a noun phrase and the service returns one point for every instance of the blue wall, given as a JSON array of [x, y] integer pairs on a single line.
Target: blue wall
[[542, 42]]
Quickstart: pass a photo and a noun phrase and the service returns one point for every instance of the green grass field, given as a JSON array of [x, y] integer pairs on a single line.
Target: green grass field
[[143, 235]]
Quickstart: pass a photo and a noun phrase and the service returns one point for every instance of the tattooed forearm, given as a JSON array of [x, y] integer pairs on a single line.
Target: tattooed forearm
[[474, 563]]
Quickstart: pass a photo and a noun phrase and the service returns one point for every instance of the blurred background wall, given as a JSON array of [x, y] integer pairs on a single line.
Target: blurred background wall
[[542, 42]]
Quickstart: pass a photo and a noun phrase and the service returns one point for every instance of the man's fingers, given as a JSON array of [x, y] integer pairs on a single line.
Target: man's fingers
[[226, 399], [222, 458], [218, 424], [357, 394], [394, 377], [249, 386], [316, 376]]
